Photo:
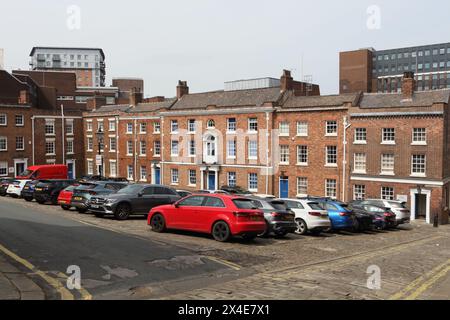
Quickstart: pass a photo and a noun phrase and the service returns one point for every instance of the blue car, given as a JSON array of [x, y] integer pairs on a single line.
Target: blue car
[[342, 218]]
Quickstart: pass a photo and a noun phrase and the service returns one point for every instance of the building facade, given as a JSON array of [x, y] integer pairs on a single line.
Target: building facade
[[87, 63], [369, 70]]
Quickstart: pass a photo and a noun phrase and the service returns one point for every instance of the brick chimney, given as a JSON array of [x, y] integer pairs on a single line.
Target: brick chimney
[[136, 97], [287, 82], [408, 85], [182, 89], [95, 102], [24, 97]]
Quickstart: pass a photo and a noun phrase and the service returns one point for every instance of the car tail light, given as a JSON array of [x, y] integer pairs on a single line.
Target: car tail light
[[344, 214], [275, 214], [315, 214], [388, 214], [92, 193]]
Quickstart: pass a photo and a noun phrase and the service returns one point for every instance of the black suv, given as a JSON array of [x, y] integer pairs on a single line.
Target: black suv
[[85, 191], [137, 199], [4, 184], [27, 192], [48, 190]]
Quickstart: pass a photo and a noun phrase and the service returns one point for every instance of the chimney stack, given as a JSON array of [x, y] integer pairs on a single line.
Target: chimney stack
[[408, 85], [136, 97], [182, 89], [287, 82]]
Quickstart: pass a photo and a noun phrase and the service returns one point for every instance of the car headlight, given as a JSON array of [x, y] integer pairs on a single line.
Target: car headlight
[[110, 201]]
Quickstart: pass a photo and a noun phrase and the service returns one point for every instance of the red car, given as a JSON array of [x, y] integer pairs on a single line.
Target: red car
[[223, 216], [65, 197]]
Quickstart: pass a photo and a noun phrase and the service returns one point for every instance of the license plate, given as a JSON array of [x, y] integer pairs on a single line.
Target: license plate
[[62, 202], [38, 189], [95, 206], [254, 218], [78, 198], [26, 188]]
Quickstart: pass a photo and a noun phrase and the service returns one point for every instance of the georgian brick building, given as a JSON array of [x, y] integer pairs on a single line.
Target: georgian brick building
[[285, 140]]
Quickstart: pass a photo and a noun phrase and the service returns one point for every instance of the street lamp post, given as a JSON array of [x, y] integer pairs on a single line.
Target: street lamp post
[[100, 137]]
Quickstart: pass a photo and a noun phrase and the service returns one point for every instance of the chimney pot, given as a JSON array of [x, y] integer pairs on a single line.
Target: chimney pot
[[408, 85], [182, 89], [287, 82]]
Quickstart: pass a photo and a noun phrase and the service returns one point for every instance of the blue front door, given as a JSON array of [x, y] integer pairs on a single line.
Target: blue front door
[[70, 170], [284, 188], [212, 181], [157, 175]]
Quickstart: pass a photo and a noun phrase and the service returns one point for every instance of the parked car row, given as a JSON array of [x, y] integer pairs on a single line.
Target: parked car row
[[231, 211]]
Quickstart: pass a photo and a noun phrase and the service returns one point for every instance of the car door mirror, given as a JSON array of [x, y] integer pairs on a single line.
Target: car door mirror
[[176, 205], [140, 194]]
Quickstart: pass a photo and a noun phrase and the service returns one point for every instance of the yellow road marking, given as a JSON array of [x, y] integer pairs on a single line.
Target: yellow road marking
[[226, 263], [85, 295], [421, 284], [64, 293]]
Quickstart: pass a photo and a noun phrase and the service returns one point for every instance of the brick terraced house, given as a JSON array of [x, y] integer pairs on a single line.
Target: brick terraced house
[[276, 137]]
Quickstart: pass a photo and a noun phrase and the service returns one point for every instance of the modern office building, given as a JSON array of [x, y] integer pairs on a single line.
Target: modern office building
[[370, 70], [87, 63]]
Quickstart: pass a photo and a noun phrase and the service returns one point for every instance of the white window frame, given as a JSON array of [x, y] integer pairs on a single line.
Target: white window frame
[[231, 179], [174, 127], [113, 165], [69, 127], [4, 116], [234, 127], [53, 142], [23, 143], [284, 129], [251, 181], [142, 147], [300, 163], [156, 127], [174, 144], [4, 166], [231, 149], [357, 139], [360, 163], [22, 117], [285, 156], [415, 134], [130, 172], [89, 127], [359, 192], [302, 185], [6, 143], [252, 149], [90, 167], [192, 148], [69, 146], [328, 184], [130, 146], [129, 126], [252, 122], [112, 125], [174, 177], [49, 124], [192, 126], [331, 124], [384, 170], [142, 170], [414, 163], [90, 144], [192, 178], [143, 128], [157, 148], [112, 144], [385, 195], [384, 133], [328, 155], [302, 129]]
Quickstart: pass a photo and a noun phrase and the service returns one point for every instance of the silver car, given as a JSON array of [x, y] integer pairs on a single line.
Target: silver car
[[398, 207]]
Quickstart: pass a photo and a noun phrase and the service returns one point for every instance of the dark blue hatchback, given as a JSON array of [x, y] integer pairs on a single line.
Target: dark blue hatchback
[[342, 218]]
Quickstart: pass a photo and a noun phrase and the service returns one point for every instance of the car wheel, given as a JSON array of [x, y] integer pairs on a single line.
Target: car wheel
[[266, 232], [221, 231], [281, 234], [158, 223], [316, 232], [99, 215], [66, 208], [80, 210], [302, 228], [28, 199], [122, 212], [41, 202]]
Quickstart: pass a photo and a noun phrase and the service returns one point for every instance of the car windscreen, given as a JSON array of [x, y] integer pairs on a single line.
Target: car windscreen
[[398, 205], [26, 173], [244, 204], [133, 189], [314, 206], [279, 205], [87, 186]]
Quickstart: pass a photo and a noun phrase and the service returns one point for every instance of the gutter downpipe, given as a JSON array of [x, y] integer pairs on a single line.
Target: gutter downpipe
[[347, 125]]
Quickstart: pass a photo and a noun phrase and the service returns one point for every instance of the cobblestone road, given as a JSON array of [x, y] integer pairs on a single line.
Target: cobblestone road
[[413, 261]]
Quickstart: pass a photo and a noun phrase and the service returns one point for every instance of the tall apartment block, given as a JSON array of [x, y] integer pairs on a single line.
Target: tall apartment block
[[370, 70], [87, 63]]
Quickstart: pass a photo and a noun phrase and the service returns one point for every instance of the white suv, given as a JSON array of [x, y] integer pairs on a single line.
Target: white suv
[[15, 188], [309, 216], [398, 207]]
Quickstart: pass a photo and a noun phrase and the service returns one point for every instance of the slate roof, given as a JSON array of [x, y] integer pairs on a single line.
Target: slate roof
[[293, 102], [112, 108], [241, 98], [420, 99], [152, 106]]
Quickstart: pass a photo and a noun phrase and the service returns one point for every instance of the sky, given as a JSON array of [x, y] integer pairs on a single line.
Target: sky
[[208, 42]]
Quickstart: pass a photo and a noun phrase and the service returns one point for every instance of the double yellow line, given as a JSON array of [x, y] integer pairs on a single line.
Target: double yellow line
[[422, 284], [64, 293]]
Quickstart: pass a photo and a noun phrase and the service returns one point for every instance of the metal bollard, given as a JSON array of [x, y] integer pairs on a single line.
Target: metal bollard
[[436, 220]]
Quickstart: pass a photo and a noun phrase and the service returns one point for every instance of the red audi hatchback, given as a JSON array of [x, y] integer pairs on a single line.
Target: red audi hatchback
[[223, 216]]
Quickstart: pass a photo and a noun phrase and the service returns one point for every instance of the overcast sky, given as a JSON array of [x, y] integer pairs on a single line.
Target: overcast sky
[[208, 42]]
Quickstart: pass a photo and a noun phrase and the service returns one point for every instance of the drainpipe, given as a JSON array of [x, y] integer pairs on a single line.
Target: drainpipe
[[267, 152], [32, 137], [162, 150], [63, 136], [344, 158], [117, 148], [135, 152]]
